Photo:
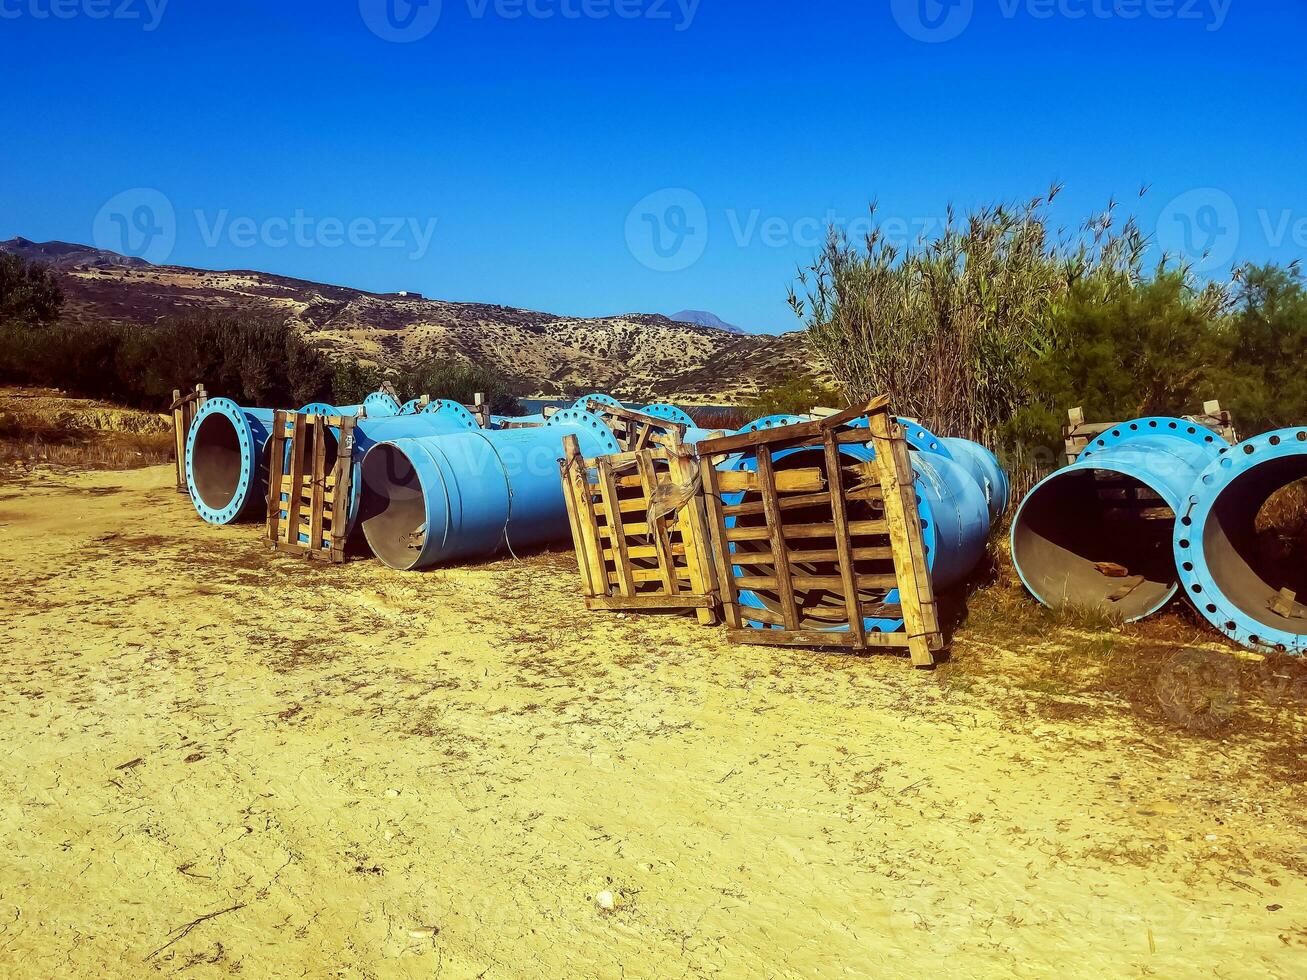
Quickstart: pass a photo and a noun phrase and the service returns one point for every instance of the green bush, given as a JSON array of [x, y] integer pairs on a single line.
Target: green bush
[[29, 293], [795, 396], [459, 381]]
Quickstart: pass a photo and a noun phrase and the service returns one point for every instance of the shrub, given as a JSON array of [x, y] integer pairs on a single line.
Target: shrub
[[29, 292]]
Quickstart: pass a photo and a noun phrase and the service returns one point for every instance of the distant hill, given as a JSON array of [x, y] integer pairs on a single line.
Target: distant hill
[[635, 356], [63, 255], [705, 319]]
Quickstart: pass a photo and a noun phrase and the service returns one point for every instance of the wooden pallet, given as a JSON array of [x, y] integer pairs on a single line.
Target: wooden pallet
[[1078, 433], [827, 542], [183, 410], [633, 555], [308, 492]]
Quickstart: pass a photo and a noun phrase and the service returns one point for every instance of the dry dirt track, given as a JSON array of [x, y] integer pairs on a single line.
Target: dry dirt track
[[368, 773]]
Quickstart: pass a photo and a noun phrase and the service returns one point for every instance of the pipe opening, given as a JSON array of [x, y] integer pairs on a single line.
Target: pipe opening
[[1255, 541], [217, 461], [1079, 531], [821, 605], [393, 509]]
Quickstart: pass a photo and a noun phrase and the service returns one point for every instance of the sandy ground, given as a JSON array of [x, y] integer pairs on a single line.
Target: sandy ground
[[216, 760]]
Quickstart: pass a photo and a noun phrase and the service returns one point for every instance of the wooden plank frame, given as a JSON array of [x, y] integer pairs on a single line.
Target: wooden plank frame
[[308, 493], [183, 410], [627, 560], [776, 521]]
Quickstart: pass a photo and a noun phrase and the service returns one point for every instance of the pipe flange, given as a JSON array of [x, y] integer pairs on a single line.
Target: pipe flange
[[453, 409], [580, 403], [668, 413], [916, 435], [318, 408], [1156, 426], [245, 439], [380, 405], [774, 422], [411, 407], [1199, 583], [577, 416]]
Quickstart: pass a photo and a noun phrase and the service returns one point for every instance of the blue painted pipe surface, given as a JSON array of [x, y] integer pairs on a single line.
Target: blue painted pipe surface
[[434, 500], [984, 468], [379, 405], [1230, 571], [669, 413], [953, 512], [1070, 523], [226, 460]]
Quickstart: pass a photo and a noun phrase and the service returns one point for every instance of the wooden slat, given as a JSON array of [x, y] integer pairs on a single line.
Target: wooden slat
[[809, 479], [720, 547], [317, 504], [916, 592], [582, 491], [275, 477], [572, 458], [649, 484], [808, 531], [803, 431], [608, 489], [802, 500], [684, 601], [843, 539], [799, 556], [296, 475], [784, 584], [814, 638], [693, 526], [831, 583]]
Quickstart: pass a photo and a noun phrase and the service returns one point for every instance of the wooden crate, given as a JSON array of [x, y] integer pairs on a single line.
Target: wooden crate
[[1078, 433], [632, 555], [308, 491], [828, 541], [183, 411]]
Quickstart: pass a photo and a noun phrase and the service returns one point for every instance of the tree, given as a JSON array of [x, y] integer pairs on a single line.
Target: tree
[[1266, 383], [29, 293]]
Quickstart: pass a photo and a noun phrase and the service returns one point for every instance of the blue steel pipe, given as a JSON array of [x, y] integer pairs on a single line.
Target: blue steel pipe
[[430, 501], [227, 460], [955, 526], [984, 468], [1231, 568], [227, 453], [1072, 528]]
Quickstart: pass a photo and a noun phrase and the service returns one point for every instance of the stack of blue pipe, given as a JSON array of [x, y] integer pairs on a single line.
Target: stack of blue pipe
[[1065, 550], [431, 486]]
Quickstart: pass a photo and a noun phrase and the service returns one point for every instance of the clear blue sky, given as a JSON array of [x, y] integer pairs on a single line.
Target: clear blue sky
[[534, 142]]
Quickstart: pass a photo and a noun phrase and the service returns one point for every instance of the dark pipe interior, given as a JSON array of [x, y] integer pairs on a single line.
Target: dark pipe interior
[[392, 511], [1085, 517], [818, 608], [216, 461], [1252, 560]]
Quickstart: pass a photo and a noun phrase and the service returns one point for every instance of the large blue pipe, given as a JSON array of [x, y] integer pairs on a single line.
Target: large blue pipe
[[955, 526], [227, 452], [226, 460], [1231, 568], [433, 500], [1078, 538]]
